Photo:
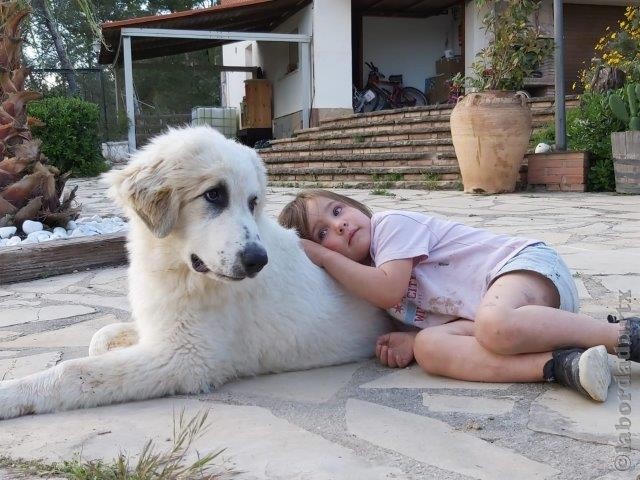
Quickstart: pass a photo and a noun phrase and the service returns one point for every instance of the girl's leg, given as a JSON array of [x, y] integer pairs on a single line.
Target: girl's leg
[[451, 350], [519, 314]]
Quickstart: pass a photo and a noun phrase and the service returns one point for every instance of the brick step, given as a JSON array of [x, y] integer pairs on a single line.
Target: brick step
[[392, 117], [355, 162], [365, 131], [350, 170], [536, 104], [377, 121], [368, 177], [338, 146], [393, 120], [378, 134], [366, 159], [370, 185]]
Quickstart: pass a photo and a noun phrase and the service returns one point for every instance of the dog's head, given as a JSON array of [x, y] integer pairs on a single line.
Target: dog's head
[[201, 194]]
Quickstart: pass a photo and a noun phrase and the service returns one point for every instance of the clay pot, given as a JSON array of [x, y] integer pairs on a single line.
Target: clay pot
[[490, 132]]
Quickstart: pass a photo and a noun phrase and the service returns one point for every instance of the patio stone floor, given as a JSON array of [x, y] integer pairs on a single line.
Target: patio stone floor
[[357, 421]]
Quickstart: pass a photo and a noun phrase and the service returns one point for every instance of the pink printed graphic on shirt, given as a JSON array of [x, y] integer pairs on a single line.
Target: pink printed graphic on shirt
[[407, 311]]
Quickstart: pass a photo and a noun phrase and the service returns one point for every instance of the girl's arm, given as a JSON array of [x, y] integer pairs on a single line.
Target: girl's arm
[[384, 286]]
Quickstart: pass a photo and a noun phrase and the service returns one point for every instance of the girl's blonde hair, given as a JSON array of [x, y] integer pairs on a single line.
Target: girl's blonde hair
[[294, 214]]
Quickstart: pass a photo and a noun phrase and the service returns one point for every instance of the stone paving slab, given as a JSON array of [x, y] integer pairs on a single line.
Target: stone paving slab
[[358, 421]]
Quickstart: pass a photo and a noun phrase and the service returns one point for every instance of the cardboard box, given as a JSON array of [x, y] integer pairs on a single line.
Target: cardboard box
[[449, 67], [439, 92]]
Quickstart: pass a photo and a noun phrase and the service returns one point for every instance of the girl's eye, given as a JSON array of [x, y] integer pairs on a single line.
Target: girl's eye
[[322, 234], [336, 211]]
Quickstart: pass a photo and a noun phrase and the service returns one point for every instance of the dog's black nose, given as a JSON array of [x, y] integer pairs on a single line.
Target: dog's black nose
[[253, 258]]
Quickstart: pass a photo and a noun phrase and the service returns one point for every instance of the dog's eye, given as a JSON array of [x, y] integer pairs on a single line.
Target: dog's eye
[[252, 203], [212, 195]]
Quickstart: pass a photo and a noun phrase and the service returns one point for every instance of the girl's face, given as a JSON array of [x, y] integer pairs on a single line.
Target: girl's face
[[340, 227]]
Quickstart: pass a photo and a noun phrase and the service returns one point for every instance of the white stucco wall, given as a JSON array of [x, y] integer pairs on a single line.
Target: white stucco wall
[[475, 38], [232, 88], [332, 54], [273, 58], [408, 46]]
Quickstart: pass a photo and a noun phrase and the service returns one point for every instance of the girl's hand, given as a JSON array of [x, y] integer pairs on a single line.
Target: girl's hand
[[315, 252]]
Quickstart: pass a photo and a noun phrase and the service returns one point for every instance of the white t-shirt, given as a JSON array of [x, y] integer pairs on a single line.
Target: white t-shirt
[[453, 263]]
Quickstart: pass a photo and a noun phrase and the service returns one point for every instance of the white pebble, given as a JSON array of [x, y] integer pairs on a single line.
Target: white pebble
[[29, 226], [15, 240], [42, 236], [71, 226], [6, 232], [61, 232]]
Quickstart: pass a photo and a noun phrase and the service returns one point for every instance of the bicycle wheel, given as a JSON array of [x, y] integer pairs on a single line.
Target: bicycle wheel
[[412, 97]]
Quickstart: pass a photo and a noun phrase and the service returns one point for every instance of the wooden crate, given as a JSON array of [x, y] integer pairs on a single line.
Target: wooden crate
[[258, 95]]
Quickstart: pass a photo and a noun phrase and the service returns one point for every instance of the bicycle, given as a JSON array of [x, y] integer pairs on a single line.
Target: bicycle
[[366, 100], [398, 96]]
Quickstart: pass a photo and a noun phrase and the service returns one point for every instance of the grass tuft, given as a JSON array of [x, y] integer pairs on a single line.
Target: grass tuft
[[151, 464]]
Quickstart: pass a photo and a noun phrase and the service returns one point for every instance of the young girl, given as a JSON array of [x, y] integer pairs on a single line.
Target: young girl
[[487, 307]]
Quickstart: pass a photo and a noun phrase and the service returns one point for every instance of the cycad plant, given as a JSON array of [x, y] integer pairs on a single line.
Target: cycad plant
[[29, 188]]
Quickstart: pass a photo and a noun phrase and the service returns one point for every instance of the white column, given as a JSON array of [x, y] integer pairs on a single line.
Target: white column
[[332, 54], [305, 77], [128, 92]]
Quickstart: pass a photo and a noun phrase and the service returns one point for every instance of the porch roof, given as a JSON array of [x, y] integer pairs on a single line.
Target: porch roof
[[249, 16], [402, 8]]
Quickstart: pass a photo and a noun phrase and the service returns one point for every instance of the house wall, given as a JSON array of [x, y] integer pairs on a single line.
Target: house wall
[[408, 46], [332, 57], [584, 21], [475, 38], [329, 23], [273, 58]]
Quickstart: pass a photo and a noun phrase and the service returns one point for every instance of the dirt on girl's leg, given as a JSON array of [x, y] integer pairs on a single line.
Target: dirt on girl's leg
[[519, 314]]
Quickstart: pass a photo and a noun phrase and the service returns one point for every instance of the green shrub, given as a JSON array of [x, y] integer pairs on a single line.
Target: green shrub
[[589, 128], [70, 135]]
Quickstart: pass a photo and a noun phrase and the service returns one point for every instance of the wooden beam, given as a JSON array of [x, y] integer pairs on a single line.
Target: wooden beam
[[40, 260]]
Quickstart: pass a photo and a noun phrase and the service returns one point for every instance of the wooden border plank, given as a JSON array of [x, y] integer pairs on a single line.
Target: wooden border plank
[[38, 260]]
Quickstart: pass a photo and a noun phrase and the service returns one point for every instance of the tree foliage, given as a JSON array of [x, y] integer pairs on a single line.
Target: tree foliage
[[172, 84]]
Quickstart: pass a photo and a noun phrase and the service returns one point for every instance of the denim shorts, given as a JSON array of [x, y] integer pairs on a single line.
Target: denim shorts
[[544, 260]]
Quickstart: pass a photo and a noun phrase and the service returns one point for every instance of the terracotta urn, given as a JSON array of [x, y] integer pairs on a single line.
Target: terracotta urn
[[490, 132]]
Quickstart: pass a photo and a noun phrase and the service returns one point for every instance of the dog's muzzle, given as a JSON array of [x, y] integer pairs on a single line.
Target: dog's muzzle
[[252, 259]]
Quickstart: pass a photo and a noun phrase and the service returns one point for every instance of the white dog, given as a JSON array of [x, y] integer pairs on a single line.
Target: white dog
[[218, 290]]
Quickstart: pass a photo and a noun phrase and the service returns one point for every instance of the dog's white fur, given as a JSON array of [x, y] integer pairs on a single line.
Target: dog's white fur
[[194, 331]]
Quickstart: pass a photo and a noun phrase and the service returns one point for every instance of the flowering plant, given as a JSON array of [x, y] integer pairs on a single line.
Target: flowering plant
[[516, 46], [621, 48], [619, 55]]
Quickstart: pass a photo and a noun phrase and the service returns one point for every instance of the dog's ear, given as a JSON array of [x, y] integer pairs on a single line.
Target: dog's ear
[[140, 188]]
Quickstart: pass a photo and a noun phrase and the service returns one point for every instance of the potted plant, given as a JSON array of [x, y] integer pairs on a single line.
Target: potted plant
[[625, 146], [491, 126]]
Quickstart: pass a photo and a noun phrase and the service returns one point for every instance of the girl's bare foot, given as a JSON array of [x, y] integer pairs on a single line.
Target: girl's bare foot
[[395, 349]]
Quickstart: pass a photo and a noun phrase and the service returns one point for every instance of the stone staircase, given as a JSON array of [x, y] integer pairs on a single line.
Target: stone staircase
[[402, 148]]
